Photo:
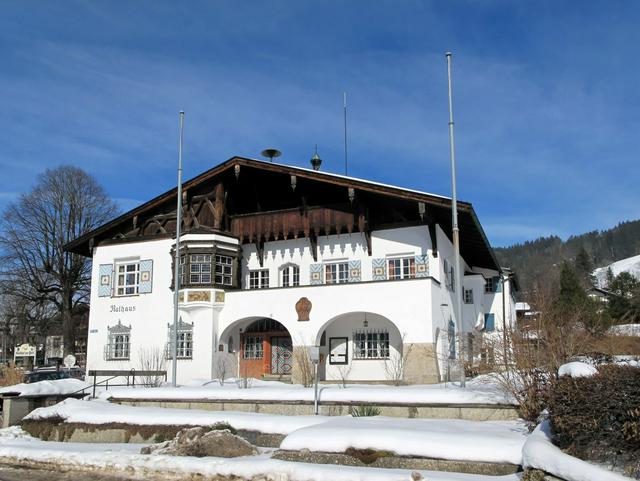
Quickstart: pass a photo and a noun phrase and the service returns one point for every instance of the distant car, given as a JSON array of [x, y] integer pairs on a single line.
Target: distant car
[[52, 374]]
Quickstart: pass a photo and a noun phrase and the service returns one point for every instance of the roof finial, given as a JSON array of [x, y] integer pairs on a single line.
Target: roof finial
[[316, 160]]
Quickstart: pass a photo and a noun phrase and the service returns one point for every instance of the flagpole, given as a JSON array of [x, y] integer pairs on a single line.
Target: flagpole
[[346, 169], [458, 274], [176, 274]]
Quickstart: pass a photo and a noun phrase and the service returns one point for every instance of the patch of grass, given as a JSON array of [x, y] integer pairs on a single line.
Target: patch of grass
[[367, 456], [364, 411]]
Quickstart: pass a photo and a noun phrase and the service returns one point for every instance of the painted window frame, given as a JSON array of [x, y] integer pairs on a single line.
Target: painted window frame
[[258, 279], [185, 341], [405, 270], [336, 272], [135, 286], [371, 344], [118, 346]]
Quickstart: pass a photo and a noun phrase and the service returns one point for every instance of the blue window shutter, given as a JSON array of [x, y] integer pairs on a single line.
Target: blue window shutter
[[105, 280], [316, 274], [146, 276], [354, 271], [422, 266], [497, 285], [379, 269], [489, 322]]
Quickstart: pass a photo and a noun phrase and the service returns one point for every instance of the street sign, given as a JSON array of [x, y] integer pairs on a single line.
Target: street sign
[[69, 361]]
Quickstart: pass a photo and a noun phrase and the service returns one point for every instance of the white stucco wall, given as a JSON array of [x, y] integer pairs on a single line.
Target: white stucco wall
[[416, 309]]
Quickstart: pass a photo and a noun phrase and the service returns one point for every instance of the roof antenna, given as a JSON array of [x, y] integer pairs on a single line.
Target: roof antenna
[[346, 170], [271, 154], [316, 160]]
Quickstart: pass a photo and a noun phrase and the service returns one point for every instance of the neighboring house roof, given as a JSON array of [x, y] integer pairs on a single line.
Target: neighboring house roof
[[475, 247]]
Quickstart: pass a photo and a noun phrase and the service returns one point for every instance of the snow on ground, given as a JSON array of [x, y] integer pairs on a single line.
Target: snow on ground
[[57, 387], [477, 391], [577, 369], [540, 453], [437, 438], [630, 265], [625, 330], [488, 441], [102, 412], [16, 444]]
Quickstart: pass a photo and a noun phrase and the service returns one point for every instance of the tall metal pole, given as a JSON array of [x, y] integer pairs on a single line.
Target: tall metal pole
[[458, 274], [346, 170], [176, 274]]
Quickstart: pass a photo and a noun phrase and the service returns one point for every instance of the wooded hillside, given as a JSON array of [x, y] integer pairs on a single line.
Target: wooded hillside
[[540, 259]]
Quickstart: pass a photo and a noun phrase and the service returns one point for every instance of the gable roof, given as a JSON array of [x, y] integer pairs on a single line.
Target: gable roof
[[475, 247]]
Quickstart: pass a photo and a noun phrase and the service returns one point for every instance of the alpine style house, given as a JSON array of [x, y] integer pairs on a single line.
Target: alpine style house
[[276, 260]]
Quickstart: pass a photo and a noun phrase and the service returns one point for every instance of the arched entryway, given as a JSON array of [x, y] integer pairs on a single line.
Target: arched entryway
[[263, 347], [360, 346]]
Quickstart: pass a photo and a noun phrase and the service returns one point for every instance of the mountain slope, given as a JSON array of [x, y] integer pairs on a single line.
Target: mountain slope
[[538, 260]]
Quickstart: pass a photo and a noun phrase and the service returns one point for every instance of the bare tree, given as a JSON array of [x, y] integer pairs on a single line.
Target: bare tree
[[394, 366], [302, 356], [222, 367], [152, 359], [65, 203], [343, 374]]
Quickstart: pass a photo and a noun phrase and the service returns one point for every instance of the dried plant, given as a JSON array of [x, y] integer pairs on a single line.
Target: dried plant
[[152, 359], [394, 366]]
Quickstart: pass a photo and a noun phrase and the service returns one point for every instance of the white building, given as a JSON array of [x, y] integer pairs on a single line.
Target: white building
[[276, 259]]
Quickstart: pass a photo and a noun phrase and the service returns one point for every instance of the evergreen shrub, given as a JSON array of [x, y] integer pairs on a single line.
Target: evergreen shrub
[[598, 418]]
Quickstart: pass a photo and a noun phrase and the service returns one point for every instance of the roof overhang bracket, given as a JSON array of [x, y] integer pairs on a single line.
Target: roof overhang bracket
[[260, 251], [313, 243], [434, 238]]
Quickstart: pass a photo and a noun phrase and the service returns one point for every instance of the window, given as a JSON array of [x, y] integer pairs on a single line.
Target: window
[[404, 268], [183, 265], [259, 279], [185, 341], [290, 276], [224, 270], [127, 278], [371, 344], [488, 286], [252, 348], [336, 273], [200, 269], [118, 345], [468, 296]]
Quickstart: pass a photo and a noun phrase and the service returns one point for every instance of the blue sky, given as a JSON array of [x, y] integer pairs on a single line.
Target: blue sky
[[546, 98]]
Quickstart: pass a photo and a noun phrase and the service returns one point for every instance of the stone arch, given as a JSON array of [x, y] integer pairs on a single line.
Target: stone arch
[[263, 347], [360, 346]]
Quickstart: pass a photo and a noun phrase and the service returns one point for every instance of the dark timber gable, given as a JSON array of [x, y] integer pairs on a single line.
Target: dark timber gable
[[257, 202]]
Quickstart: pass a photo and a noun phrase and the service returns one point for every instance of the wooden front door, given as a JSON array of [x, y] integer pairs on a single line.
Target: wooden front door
[[281, 355]]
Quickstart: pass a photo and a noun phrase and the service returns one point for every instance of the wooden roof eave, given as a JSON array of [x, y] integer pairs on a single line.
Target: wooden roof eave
[[81, 244]]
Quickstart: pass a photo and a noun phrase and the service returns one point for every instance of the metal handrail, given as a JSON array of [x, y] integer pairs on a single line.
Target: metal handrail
[[118, 373]]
